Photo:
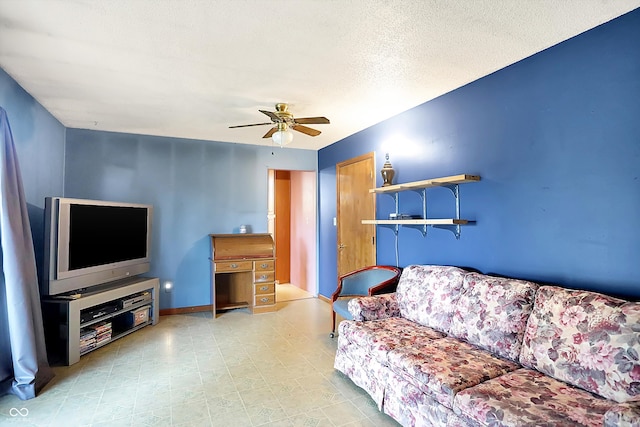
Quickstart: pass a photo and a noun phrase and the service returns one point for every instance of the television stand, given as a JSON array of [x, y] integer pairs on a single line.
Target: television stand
[[76, 325]]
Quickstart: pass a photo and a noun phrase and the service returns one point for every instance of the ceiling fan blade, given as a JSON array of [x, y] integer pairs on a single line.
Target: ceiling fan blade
[[271, 132], [271, 115], [253, 124], [312, 120], [306, 130]]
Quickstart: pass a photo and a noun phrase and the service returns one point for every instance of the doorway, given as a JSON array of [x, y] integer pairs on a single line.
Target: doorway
[[292, 224], [356, 241]]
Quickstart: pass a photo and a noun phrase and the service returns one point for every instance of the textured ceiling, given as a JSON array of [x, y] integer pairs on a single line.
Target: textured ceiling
[[191, 68]]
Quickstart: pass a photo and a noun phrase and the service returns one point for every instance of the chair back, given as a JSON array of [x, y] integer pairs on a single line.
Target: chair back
[[366, 281]]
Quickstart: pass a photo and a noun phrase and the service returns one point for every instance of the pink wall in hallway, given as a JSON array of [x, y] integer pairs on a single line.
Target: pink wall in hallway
[[303, 230]]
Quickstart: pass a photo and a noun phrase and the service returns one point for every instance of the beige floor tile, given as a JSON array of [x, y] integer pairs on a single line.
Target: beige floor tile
[[193, 411], [217, 383], [78, 409], [225, 403], [257, 396], [152, 401], [154, 417], [228, 419], [302, 403], [123, 421], [189, 378], [122, 396], [284, 389], [266, 412], [343, 413], [309, 419], [187, 393], [113, 411]]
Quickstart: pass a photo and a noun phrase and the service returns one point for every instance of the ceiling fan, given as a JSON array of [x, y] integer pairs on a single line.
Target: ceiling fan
[[284, 120]]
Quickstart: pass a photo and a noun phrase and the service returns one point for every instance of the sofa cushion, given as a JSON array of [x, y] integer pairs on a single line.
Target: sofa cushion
[[442, 368], [527, 397], [379, 337], [407, 404], [492, 313], [427, 294], [623, 414], [587, 339]]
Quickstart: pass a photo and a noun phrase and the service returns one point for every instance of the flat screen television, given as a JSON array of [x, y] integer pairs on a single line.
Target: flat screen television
[[92, 242]]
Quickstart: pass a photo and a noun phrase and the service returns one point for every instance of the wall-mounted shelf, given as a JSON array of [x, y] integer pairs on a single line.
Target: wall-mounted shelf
[[427, 183], [440, 221], [451, 224]]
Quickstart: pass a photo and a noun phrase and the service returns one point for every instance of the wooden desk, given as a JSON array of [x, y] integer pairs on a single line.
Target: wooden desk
[[242, 273]]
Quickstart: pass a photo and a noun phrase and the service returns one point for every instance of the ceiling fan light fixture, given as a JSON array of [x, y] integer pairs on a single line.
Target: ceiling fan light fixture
[[283, 120], [283, 135]]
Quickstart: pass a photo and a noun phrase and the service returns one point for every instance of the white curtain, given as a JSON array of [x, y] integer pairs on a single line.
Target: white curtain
[[24, 369]]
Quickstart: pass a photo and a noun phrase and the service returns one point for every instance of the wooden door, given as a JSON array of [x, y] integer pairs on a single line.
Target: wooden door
[[356, 242], [283, 225], [279, 218]]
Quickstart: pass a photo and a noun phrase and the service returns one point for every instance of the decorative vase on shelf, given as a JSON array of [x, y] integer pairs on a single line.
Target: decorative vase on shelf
[[387, 172]]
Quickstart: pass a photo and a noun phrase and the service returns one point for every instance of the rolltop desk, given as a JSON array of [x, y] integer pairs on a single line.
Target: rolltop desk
[[242, 272]]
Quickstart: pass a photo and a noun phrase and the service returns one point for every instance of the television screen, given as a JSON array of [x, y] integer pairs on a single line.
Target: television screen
[[106, 234], [94, 242]]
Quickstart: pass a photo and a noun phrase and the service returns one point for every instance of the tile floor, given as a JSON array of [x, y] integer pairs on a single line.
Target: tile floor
[[289, 292], [273, 369]]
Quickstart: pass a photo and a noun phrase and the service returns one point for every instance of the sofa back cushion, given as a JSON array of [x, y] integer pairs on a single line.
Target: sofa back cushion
[[586, 339], [492, 313], [427, 294]]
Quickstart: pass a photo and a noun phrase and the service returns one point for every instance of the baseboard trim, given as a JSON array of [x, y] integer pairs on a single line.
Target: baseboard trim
[[185, 310], [202, 308], [325, 299]]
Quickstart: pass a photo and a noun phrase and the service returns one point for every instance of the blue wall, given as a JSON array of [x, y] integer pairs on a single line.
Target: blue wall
[[556, 140], [196, 188], [40, 140]]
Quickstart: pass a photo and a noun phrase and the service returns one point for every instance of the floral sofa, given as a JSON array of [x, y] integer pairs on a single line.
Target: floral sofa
[[458, 348]]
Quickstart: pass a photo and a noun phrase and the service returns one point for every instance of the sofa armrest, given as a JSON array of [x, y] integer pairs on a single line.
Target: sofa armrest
[[374, 308], [623, 415]]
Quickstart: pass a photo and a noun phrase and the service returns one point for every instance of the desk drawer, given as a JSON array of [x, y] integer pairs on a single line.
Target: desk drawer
[[224, 267], [264, 276], [265, 299], [264, 265], [266, 288]]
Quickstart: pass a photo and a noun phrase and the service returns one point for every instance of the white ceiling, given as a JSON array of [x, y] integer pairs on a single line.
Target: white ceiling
[[191, 68]]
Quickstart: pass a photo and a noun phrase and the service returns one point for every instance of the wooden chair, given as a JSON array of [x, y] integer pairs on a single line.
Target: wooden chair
[[367, 281]]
